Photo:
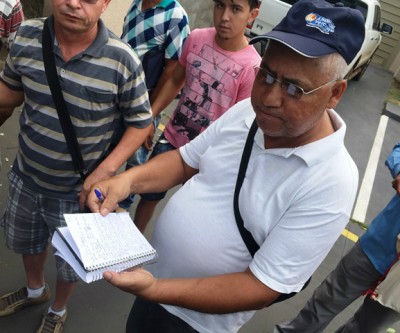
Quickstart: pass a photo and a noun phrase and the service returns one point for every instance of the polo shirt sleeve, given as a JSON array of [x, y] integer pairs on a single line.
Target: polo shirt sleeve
[[10, 76], [393, 161], [133, 96], [307, 213], [177, 34], [298, 244]]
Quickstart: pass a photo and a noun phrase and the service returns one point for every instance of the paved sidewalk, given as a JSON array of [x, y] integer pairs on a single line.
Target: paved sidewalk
[[392, 111]]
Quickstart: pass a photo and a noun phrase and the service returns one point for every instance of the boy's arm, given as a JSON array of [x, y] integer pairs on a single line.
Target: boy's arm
[[169, 90], [170, 65], [165, 93]]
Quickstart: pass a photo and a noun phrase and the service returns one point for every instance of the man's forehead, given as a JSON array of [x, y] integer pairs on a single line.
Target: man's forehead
[[285, 62], [234, 2]]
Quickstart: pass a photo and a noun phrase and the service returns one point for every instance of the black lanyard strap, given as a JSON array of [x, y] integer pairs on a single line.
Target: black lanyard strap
[[61, 106], [248, 239]]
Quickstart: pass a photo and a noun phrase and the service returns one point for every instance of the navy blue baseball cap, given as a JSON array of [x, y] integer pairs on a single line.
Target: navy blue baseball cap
[[314, 28]]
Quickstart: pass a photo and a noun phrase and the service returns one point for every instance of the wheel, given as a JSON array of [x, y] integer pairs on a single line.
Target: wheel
[[363, 70]]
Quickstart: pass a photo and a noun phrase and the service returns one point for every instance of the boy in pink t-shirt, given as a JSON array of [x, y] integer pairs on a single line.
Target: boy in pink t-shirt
[[215, 80], [215, 71]]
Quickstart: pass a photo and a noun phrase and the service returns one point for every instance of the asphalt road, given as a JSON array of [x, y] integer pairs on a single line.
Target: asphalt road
[[99, 308]]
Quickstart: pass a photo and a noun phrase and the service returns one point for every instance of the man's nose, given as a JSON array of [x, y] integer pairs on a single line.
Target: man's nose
[[272, 94]]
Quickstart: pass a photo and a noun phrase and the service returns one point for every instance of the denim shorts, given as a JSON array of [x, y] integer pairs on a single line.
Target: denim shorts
[[162, 146], [30, 219]]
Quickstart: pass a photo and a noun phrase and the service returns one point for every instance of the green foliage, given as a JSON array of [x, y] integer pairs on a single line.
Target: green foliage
[[394, 93], [362, 225]]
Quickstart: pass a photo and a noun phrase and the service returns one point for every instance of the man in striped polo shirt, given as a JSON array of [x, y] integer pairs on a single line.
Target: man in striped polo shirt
[[156, 30], [102, 83]]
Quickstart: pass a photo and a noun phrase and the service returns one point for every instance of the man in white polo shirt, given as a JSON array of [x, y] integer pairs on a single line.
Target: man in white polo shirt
[[296, 197]]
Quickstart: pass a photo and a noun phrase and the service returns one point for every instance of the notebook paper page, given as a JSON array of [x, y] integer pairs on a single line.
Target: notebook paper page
[[106, 240]]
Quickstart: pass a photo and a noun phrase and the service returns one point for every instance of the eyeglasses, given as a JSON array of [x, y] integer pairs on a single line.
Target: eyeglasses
[[89, 2], [291, 89]]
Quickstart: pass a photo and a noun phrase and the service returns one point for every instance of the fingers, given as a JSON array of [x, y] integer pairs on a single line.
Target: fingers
[[108, 276], [95, 200], [148, 144], [107, 206], [396, 185], [136, 281], [93, 203], [120, 280]]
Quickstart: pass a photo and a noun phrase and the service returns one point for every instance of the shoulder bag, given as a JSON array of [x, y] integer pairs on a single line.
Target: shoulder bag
[[248, 238], [61, 106]]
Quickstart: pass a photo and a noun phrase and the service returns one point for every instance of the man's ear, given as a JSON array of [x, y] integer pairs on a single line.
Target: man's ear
[[337, 92], [253, 14], [105, 5]]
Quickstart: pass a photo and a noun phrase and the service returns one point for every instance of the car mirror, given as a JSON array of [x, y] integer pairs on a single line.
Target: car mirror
[[386, 28]]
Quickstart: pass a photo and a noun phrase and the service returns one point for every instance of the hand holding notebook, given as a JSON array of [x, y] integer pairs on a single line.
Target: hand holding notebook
[[93, 244]]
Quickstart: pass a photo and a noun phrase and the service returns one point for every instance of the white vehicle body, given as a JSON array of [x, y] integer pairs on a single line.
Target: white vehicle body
[[272, 12]]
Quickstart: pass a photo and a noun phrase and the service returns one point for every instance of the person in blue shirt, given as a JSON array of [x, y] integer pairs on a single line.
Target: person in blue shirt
[[356, 273]]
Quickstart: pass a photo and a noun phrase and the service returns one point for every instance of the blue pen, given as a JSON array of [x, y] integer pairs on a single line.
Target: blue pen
[[99, 195]]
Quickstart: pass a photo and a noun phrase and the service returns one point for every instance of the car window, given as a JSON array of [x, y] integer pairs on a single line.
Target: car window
[[377, 18]]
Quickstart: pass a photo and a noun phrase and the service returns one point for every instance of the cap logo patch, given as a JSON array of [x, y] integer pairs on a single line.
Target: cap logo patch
[[321, 23]]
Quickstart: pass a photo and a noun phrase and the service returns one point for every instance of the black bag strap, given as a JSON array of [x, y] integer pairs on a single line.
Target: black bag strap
[[248, 239], [61, 106]]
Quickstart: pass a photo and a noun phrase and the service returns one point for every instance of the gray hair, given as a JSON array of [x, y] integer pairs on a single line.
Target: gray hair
[[333, 65]]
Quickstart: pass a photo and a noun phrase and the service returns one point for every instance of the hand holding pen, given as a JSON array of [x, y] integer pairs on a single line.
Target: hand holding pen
[[99, 195], [104, 196], [95, 202]]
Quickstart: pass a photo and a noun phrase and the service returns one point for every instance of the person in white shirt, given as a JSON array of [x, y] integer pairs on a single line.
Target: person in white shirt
[[296, 197]]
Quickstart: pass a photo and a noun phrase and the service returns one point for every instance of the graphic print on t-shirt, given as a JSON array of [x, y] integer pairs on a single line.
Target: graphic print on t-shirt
[[205, 96]]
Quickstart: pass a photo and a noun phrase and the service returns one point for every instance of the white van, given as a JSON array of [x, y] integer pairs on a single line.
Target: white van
[[272, 12]]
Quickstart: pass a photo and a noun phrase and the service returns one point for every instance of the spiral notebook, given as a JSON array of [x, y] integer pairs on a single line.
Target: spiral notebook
[[93, 244]]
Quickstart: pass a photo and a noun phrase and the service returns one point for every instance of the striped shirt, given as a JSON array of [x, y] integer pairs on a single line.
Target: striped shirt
[[100, 85], [11, 17], [165, 24]]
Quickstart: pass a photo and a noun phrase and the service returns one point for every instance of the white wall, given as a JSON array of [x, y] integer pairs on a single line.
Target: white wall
[[114, 15], [199, 12]]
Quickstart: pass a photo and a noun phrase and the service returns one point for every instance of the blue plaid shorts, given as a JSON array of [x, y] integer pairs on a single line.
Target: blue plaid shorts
[[30, 219]]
